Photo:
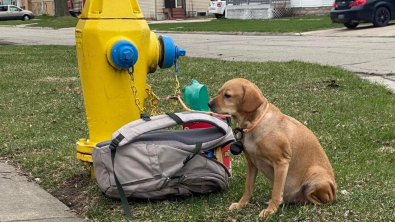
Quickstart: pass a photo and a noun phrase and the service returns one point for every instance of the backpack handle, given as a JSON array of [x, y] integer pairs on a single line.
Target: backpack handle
[[136, 128]]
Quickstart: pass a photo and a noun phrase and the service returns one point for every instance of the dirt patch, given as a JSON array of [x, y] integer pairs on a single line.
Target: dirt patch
[[386, 149], [57, 79], [323, 85], [72, 193], [6, 43]]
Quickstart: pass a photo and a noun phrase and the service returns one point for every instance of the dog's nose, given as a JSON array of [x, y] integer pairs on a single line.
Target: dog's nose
[[210, 104]]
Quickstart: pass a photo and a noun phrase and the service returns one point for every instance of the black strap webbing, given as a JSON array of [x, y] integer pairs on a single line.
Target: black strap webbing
[[113, 147], [229, 121], [197, 149], [175, 118]]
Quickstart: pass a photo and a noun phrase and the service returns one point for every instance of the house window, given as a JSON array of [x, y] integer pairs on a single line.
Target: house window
[[6, 2], [179, 3]]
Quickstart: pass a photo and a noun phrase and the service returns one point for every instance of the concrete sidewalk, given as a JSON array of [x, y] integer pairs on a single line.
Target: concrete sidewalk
[[23, 200]]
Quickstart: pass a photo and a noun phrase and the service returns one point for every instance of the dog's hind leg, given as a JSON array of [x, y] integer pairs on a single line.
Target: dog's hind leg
[[320, 188], [321, 193]]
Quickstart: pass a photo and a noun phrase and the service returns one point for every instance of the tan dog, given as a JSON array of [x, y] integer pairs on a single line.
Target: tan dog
[[282, 148]]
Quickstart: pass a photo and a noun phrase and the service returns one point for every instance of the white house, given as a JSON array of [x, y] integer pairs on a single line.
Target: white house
[[266, 9], [173, 9], [311, 7]]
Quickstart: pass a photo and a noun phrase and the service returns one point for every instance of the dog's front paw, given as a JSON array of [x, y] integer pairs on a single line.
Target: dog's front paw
[[266, 212], [235, 206]]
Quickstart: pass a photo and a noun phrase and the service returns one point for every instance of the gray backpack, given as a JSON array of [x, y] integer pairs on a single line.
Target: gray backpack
[[153, 163]]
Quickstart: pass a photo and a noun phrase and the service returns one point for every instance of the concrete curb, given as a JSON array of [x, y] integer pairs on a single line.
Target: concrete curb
[[231, 33], [310, 33], [28, 26], [24, 200]]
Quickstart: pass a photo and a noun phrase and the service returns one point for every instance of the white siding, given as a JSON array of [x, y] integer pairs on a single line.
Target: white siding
[[197, 5], [311, 3], [148, 8], [296, 3], [327, 2]]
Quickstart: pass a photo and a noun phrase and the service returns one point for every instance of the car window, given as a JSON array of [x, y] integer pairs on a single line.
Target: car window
[[14, 9], [3, 8]]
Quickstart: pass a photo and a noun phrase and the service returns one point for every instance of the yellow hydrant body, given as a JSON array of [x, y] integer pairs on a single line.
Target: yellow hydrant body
[[108, 97]]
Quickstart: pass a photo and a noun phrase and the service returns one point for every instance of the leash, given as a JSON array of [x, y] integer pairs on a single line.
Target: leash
[[237, 147], [188, 109]]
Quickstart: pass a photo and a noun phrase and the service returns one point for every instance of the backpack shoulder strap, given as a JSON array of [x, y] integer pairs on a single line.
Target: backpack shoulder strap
[[136, 128], [113, 147]]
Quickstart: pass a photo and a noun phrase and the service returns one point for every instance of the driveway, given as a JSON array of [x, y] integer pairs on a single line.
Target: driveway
[[370, 56], [361, 31], [36, 36]]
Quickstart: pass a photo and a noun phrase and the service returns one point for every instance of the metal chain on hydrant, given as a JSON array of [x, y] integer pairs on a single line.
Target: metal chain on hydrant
[[153, 103], [134, 90], [177, 90]]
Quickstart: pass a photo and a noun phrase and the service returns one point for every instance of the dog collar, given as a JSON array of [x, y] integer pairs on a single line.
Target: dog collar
[[258, 121]]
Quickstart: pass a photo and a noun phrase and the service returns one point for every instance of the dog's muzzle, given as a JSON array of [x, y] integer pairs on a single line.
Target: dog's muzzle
[[211, 105]]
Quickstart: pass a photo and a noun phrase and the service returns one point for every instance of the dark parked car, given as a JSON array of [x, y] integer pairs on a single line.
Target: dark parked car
[[353, 12]]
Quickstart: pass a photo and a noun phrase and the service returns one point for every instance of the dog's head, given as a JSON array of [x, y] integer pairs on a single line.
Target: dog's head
[[237, 96]]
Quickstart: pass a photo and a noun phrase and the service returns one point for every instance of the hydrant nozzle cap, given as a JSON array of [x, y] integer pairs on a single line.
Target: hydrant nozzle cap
[[124, 54], [169, 52]]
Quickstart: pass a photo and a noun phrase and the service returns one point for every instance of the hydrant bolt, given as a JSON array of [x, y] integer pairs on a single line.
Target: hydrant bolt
[[180, 52], [127, 55]]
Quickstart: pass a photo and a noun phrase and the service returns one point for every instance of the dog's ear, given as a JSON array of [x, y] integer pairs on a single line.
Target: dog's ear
[[252, 98]]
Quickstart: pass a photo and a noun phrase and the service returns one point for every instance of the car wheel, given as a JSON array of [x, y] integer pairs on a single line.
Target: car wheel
[[381, 17], [351, 25], [218, 16], [26, 18]]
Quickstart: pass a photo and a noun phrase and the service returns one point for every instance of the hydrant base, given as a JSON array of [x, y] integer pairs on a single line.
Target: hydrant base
[[84, 150]]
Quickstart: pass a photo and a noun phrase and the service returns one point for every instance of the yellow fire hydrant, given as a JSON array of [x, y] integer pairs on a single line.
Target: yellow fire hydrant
[[114, 43]]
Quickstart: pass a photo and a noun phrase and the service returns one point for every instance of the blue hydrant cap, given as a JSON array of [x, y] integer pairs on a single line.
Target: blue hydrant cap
[[124, 54], [169, 52]]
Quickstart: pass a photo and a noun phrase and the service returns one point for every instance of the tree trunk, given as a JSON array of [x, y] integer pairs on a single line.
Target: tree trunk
[[61, 8]]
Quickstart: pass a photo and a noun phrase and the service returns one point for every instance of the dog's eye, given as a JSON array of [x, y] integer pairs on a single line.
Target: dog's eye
[[227, 95]]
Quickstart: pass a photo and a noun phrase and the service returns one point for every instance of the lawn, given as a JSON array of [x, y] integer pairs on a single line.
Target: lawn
[[42, 116], [46, 21], [281, 25]]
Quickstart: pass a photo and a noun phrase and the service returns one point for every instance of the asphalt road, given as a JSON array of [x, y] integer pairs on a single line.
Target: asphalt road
[[362, 31], [363, 52]]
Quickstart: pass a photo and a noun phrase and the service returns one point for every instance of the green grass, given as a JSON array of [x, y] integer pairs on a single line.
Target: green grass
[[46, 21], [42, 116], [293, 24]]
